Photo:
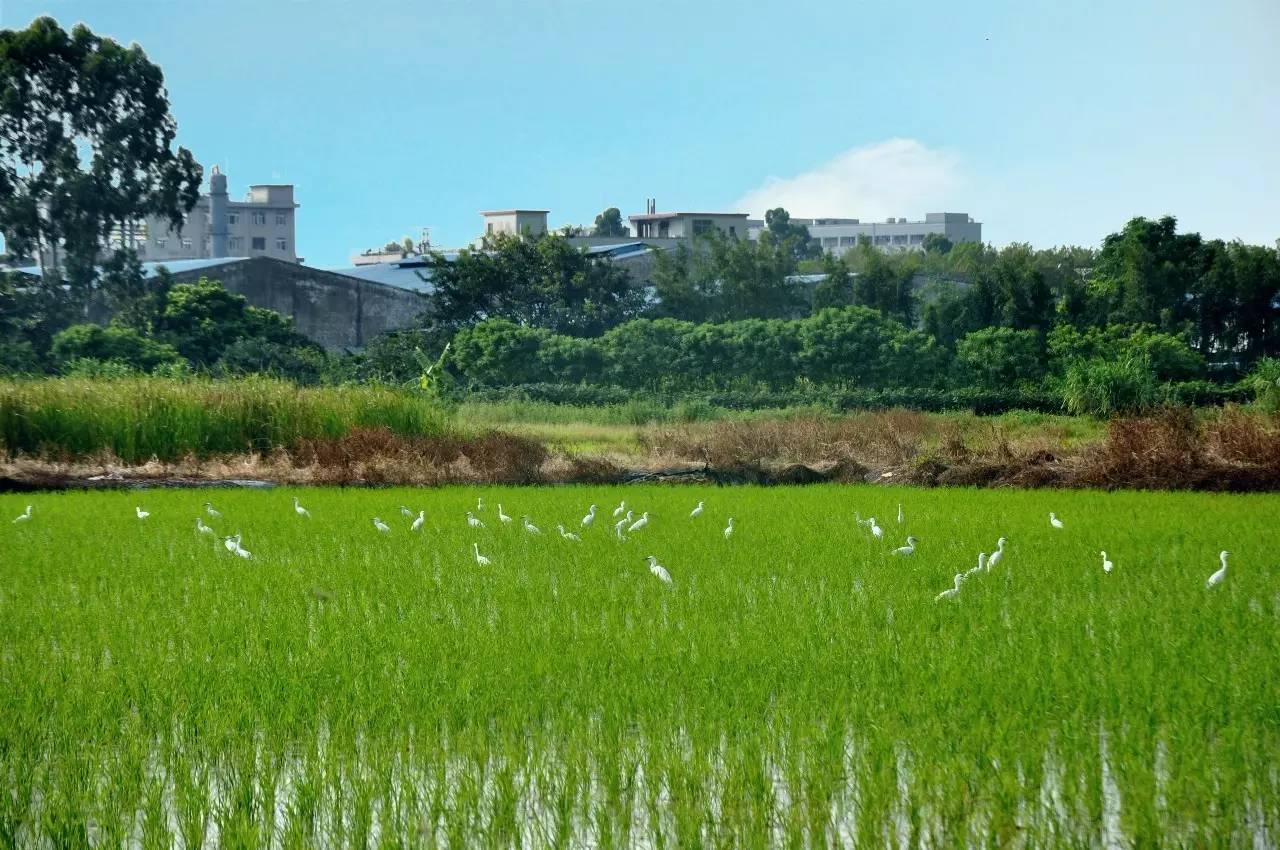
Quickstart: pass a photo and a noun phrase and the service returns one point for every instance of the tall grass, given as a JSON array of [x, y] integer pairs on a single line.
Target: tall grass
[[138, 418]]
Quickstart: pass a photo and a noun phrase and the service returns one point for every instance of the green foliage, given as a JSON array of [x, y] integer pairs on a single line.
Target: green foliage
[[1170, 357], [1101, 388], [113, 343], [257, 355], [1001, 357], [609, 223], [203, 319], [723, 279], [1264, 383], [138, 418], [18, 357], [537, 281], [135, 301], [86, 134]]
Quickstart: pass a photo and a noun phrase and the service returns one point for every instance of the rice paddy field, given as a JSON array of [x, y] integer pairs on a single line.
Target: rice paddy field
[[795, 684]]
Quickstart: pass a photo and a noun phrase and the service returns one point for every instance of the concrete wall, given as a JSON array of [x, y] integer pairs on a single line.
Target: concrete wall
[[336, 311]]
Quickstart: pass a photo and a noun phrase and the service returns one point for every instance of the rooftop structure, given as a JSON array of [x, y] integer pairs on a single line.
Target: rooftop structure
[[838, 235], [518, 222]]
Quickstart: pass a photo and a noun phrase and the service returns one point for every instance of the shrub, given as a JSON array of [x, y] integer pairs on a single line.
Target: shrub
[[260, 356], [1001, 357], [1104, 387], [18, 358], [1264, 383], [112, 343]]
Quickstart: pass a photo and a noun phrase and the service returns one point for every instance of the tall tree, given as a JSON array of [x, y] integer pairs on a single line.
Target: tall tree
[[781, 230], [609, 223], [86, 145]]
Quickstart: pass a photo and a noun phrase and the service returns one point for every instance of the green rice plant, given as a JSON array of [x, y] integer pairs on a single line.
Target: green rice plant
[[796, 684]]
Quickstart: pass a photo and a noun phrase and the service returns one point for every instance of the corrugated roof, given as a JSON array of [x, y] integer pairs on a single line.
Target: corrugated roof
[[402, 274]]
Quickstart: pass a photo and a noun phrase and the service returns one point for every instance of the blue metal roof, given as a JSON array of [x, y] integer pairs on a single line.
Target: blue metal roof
[[621, 249], [402, 274], [151, 269]]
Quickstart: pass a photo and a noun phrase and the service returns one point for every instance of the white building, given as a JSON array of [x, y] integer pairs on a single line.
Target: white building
[[838, 235], [516, 222]]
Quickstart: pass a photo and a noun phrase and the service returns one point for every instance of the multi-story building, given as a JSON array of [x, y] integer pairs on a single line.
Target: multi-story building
[[838, 235], [262, 225]]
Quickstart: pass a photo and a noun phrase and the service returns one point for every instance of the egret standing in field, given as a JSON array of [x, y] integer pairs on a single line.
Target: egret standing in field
[[617, 528], [479, 505], [909, 549], [997, 555], [952, 592], [622, 506], [658, 570], [982, 564], [728, 529], [241, 551], [900, 517], [473, 521], [211, 510], [405, 511], [529, 526], [201, 528], [567, 535], [502, 517], [480, 559], [1107, 566], [876, 530], [590, 517], [1217, 577], [696, 512], [640, 523], [233, 546], [141, 513], [417, 523], [380, 525], [1054, 521], [299, 509], [25, 516]]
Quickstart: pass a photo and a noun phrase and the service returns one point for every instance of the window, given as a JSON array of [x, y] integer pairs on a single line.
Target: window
[[733, 231], [282, 245], [259, 243], [235, 243], [488, 228], [900, 239], [848, 241], [161, 242], [664, 228], [280, 220], [701, 226], [233, 218], [882, 240], [186, 244], [259, 218], [830, 242], [917, 238]]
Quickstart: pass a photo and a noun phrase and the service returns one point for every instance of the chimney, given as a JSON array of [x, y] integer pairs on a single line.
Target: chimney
[[218, 213]]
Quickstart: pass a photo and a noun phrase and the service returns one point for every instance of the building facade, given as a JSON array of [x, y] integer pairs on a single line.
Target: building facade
[[839, 235], [261, 225], [515, 222]]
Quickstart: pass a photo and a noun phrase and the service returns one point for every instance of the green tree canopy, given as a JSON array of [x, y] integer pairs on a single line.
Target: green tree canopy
[[609, 223]]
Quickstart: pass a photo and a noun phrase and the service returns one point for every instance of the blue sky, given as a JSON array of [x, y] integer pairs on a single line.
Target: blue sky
[[1049, 122]]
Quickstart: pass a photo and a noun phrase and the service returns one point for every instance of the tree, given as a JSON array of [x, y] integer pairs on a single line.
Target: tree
[[836, 289], [609, 223], [85, 145], [537, 281], [134, 299], [203, 319], [1001, 357], [780, 229], [113, 343], [936, 243]]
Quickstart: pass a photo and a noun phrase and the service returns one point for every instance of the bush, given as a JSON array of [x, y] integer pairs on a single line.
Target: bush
[[18, 358], [263, 357], [1264, 383], [1001, 357], [1104, 387], [112, 343]]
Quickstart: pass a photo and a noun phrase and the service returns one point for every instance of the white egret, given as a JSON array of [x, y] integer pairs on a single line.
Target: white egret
[[982, 559], [590, 517], [231, 543], [417, 523], [242, 552], [380, 525], [728, 529], [696, 512], [1217, 577], [201, 528], [628, 518], [479, 504], [211, 510], [529, 526], [25, 516], [480, 559], [473, 521], [622, 506], [405, 512], [1054, 521], [950, 593], [876, 530], [1107, 566], [909, 549], [617, 528], [997, 555], [567, 535], [299, 509], [141, 513], [900, 513], [658, 570], [502, 517], [640, 523]]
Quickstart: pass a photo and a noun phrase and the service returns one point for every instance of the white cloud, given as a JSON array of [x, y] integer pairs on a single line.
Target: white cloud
[[896, 177]]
